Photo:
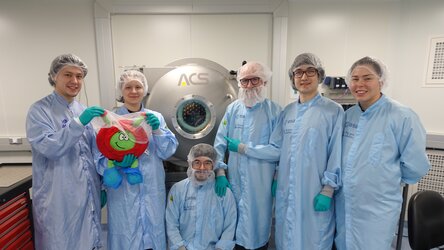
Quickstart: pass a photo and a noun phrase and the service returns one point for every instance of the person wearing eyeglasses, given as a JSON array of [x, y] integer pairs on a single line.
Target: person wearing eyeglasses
[[196, 218], [308, 136], [384, 145], [250, 120]]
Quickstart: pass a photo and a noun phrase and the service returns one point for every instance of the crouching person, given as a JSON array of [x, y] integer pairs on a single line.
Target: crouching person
[[196, 218]]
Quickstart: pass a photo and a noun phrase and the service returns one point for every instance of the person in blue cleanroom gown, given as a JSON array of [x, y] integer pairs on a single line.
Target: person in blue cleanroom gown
[[65, 184], [251, 120], [383, 146], [136, 212], [308, 134], [196, 217]]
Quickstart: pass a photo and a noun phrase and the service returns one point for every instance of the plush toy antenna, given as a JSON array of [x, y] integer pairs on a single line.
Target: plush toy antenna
[[105, 118], [139, 120]]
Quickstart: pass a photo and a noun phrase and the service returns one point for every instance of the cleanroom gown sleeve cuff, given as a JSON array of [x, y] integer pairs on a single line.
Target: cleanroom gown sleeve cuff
[[332, 180], [225, 244], [221, 164], [177, 245], [78, 121], [158, 132]]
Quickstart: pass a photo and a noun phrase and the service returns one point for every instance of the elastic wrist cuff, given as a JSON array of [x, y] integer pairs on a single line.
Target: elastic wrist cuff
[[78, 121], [157, 132]]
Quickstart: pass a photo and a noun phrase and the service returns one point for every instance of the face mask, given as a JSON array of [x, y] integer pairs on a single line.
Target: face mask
[[191, 173], [251, 97]]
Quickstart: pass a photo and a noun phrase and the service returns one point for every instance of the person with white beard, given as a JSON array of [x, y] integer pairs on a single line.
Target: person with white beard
[[196, 218], [251, 120]]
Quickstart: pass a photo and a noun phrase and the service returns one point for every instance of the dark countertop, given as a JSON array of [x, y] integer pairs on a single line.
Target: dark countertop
[[19, 186]]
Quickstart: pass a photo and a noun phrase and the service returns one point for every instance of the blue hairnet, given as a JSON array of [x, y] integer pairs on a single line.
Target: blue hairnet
[[65, 60], [254, 69], [376, 66], [309, 59], [131, 75], [202, 149]]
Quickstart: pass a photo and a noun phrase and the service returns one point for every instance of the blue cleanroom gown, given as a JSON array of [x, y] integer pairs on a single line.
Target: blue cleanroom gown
[[309, 136], [65, 184], [198, 219], [249, 176], [382, 147], [136, 212]]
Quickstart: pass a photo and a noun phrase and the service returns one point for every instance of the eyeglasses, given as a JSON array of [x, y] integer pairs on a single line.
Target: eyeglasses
[[198, 164], [309, 72], [254, 81]]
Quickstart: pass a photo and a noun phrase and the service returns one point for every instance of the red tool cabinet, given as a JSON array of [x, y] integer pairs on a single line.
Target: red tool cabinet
[[16, 226]]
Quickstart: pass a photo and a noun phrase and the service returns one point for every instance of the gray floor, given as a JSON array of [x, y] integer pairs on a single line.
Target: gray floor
[[404, 244], [405, 241]]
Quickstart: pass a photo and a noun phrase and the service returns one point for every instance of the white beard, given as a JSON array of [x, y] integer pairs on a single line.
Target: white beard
[[251, 97], [191, 173]]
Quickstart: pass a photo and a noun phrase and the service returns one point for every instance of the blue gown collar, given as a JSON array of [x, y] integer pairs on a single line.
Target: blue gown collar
[[62, 99], [142, 108], [257, 105], [376, 105], [310, 103]]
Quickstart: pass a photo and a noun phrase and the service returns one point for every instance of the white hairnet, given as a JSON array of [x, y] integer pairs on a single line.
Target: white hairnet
[[375, 65], [309, 59], [202, 149], [65, 60], [254, 69], [131, 75]]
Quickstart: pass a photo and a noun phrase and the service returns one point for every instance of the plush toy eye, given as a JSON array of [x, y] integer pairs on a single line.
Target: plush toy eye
[[123, 137]]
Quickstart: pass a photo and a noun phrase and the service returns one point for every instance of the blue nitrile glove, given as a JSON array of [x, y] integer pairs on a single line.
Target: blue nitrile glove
[[102, 198], [153, 121], [233, 144], [221, 185], [274, 185], [90, 113], [126, 162], [322, 203]]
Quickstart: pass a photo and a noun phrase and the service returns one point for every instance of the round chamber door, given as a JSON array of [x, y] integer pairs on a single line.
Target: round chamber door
[[195, 117]]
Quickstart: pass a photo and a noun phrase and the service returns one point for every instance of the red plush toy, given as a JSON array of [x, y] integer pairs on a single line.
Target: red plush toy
[[122, 142]]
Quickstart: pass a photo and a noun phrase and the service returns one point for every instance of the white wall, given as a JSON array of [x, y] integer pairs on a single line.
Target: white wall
[[157, 40], [396, 32], [33, 32], [420, 20], [154, 41], [339, 33]]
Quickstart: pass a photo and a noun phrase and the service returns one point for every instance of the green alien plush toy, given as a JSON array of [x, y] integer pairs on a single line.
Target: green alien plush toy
[[122, 142]]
